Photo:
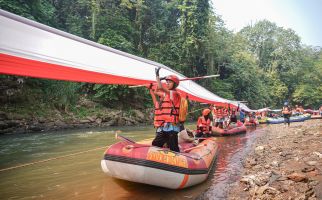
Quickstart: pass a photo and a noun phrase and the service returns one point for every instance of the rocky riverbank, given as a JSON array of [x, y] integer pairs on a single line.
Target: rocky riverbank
[[11, 123], [285, 163]]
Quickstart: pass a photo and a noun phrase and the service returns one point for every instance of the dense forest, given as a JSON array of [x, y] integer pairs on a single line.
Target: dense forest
[[263, 64]]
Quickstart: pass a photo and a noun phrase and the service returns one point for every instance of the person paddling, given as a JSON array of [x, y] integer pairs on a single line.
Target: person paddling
[[169, 107], [204, 124], [286, 111]]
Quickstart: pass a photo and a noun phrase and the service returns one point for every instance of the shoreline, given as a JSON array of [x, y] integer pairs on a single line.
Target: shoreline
[[11, 123], [284, 163]]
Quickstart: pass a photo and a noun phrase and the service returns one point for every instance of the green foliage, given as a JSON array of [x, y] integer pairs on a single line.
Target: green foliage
[[38, 10], [223, 88], [61, 94], [115, 40], [111, 93], [308, 95]]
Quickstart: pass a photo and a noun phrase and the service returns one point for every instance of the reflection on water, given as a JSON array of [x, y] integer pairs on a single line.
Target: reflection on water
[[229, 164], [79, 176]]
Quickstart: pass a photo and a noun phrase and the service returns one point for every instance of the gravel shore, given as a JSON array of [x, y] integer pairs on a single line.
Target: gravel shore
[[285, 163]]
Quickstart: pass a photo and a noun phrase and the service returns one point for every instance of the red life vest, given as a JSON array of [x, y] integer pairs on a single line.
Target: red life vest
[[203, 124], [169, 108]]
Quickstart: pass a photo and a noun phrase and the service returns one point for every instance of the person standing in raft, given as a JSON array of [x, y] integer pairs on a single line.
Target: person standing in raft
[[157, 120], [286, 111], [169, 112], [204, 124], [242, 116]]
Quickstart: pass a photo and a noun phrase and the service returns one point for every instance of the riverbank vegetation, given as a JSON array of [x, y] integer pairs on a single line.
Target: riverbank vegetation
[[263, 64]]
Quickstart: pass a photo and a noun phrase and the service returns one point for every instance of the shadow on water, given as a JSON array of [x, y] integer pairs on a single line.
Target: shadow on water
[[80, 176]]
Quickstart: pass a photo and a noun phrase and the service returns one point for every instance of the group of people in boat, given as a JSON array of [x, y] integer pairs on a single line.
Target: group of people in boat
[[167, 102], [167, 122]]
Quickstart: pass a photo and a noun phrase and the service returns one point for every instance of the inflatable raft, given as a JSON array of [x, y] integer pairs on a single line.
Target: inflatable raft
[[280, 120], [232, 130], [316, 116], [262, 120], [142, 163]]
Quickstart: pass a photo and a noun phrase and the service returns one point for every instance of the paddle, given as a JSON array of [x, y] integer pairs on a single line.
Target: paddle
[[196, 147], [120, 137], [184, 79], [200, 77]]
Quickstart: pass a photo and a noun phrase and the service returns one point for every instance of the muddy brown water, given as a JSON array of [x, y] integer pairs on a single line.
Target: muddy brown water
[[66, 165]]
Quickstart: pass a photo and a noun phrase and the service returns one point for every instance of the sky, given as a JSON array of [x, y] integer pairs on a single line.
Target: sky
[[302, 16]]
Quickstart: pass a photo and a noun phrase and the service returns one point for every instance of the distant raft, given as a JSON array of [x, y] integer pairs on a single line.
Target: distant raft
[[238, 128], [262, 120], [279, 120], [316, 117], [142, 163]]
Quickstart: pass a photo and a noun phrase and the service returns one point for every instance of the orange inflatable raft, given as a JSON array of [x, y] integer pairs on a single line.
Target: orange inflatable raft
[[239, 128], [140, 162]]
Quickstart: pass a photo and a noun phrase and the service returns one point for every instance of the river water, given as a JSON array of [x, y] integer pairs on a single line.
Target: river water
[[66, 165]]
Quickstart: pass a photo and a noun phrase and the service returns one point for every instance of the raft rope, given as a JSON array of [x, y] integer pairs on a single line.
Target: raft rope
[[50, 159]]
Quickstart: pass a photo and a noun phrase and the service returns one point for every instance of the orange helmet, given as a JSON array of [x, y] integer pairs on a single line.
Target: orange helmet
[[173, 78], [206, 112]]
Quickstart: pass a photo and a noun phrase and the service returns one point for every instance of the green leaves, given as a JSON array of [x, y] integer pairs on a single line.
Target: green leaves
[[115, 40]]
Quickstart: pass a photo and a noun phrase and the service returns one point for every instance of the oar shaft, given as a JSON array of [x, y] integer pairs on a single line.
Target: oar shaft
[[184, 79], [200, 77]]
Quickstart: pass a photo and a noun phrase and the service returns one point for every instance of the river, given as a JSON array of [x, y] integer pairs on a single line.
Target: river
[[66, 165]]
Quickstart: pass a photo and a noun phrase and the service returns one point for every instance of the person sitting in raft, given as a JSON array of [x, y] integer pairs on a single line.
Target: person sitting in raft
[[219, 118], [168, 131], [233, 116], [204, 124], [226, 117], [286, 111], [252, 118]]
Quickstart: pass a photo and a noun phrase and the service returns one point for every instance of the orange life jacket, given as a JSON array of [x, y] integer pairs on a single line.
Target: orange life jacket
[[158, 120], [204, 124], [219, 113], [169, 108]]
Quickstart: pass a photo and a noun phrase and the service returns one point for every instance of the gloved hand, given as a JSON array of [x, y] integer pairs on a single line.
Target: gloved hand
[[157, 71], [162, 78]]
